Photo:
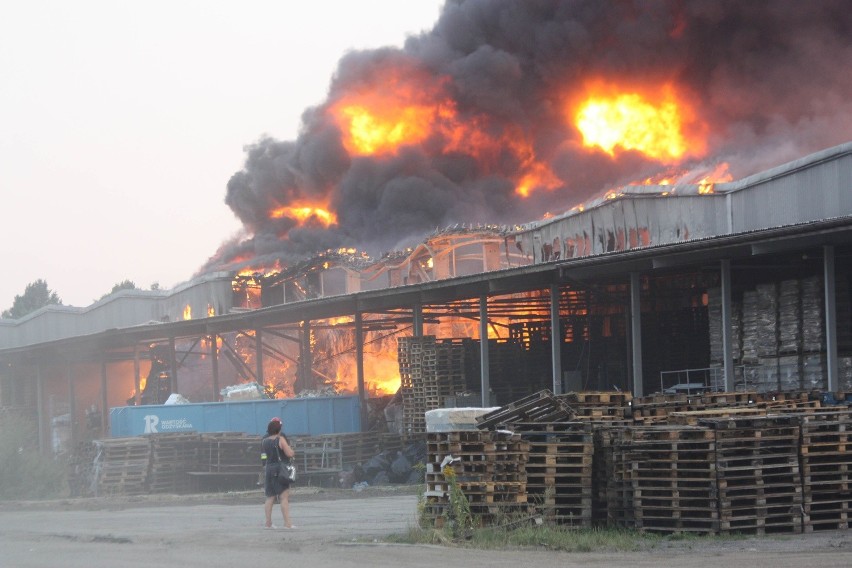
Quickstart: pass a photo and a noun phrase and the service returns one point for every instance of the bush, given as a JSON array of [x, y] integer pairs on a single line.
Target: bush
[[24, 472]]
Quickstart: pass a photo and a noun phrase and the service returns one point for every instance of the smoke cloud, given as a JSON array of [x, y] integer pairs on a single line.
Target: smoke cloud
[[765, 78]]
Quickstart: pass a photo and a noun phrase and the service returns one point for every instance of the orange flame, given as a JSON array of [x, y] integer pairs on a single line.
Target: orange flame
[[402, 110], [661, 126], [187, 312], [304, 214], [408, 108]]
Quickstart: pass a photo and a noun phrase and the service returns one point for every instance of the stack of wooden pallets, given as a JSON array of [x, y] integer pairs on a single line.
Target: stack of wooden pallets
[[672, 475], [759, 483], [122, 466], [318, 454], [356, 447], [559, 470], [172, 455], [228, 452], [430, 371], [610, 407], [827, 470], [488, 467], [542, 406]]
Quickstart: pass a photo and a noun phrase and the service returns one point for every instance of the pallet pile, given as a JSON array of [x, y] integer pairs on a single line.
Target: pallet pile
[[430, 371], [542, 406], [318, 454], [122, 466], [172, 455], [489, 467], [659, 408], [611, 407], [757, 464], [559, 470], [356, 447], [603, 486], [81, 469], [717, 463], [228, 452], [827, 470], [669, 479]]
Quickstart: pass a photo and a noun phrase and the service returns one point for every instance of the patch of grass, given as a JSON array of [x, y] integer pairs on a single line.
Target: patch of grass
[[532, 536]]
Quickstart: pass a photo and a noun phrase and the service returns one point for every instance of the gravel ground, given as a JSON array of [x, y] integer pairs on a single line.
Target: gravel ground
[[334, 528]]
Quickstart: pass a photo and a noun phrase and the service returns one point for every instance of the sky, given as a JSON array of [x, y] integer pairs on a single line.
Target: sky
[[121, 123]]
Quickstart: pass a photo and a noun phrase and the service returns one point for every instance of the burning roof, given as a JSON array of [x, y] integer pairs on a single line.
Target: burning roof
[[506, 110]]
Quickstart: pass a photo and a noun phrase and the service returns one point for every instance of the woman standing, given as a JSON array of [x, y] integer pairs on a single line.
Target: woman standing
[[276, 448]]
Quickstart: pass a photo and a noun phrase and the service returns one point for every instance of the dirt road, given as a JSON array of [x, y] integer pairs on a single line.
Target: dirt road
[[336, 531]]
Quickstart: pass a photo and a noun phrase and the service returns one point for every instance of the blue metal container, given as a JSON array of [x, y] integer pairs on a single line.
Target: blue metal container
[[300, 417]]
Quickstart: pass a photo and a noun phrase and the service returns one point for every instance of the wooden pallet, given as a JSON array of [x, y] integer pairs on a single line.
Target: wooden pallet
[[542, 406], [559, 471], [488, 468]]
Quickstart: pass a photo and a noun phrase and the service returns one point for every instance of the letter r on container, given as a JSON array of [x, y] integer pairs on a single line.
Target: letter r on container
[[151, 421]]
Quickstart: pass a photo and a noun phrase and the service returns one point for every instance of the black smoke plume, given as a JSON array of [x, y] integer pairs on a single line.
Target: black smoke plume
[[769, 78]]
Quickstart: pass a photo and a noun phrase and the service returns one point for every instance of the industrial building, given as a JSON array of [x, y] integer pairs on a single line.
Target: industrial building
[[742, 285]]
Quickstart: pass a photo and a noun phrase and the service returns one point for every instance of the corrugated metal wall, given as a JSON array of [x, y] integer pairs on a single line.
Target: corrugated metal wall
[[810, 192], [814, 188], [123, 309]]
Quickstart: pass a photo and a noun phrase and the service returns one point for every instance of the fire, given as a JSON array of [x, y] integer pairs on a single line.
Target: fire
[[211, 311], [187, 312], [401, 109], [377, 130], [411, 109], [662, 126], [305, 214]]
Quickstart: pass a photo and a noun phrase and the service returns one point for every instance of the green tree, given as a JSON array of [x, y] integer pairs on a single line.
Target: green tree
[[35, 296], [123, 285]]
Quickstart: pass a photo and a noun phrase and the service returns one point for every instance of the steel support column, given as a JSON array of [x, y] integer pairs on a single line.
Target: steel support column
[[258, 348], [830, 317], [555, 339], [104, 402], [359, 369], [417, 320], [727, 344], [40, 410], [173, 366], [72, 405], [214, 363], [485, 377], [636, 332], [306, 357], [137, 380]]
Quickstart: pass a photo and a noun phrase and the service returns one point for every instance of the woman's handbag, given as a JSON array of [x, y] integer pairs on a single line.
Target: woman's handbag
[[286, 469]]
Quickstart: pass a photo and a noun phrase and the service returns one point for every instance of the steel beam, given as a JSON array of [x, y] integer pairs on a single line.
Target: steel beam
[[136, 378], [636, 332], [258, 348], [173, 365], [830, 317], [485, 377], [359, 369], [72, 405], [727, 344], [555, 339], [417, 320], [40, 410], [105, 401], [214, 363]]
